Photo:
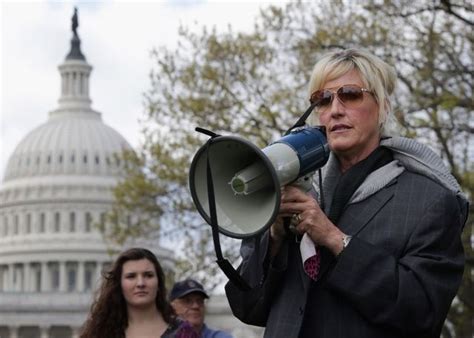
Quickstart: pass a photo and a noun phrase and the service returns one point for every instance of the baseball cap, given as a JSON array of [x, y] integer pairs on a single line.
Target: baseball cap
[[185, 287]]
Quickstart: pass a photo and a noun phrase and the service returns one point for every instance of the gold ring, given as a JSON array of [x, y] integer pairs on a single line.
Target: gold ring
[[296, 218]]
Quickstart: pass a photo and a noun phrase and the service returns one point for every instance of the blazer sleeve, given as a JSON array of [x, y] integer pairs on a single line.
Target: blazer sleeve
[[413, 291], [264, 277]]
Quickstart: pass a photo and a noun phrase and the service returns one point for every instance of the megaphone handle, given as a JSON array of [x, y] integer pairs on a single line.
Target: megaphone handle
[[286, 225], [304, 183]]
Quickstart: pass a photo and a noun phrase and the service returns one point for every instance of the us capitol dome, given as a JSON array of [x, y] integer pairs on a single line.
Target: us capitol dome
[[57, 185]]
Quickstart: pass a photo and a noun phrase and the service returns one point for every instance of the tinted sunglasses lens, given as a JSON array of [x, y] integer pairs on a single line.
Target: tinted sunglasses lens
[[350, 94], [321, 98]]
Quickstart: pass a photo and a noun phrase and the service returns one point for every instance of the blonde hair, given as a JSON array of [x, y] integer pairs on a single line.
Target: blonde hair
[[377, 76]]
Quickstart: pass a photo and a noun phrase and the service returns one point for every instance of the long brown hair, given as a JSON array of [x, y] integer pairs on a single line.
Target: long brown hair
[[108, 314]]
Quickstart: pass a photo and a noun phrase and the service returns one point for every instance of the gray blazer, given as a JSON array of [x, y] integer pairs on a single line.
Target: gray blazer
[[396, 278]]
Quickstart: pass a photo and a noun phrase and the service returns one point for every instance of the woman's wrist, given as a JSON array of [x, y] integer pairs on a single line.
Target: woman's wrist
[[336, 242]]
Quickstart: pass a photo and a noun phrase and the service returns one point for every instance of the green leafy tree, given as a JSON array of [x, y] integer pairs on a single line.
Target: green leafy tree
[[255, 85], [435, 67]]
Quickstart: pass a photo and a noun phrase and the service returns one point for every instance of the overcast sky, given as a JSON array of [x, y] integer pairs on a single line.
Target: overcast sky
[[116, 39]]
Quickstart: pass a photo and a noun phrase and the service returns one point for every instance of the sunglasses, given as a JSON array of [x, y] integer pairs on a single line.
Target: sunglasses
[[349, 95]]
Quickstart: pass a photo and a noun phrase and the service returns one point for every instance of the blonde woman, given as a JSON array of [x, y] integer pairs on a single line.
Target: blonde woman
[[383, 257]]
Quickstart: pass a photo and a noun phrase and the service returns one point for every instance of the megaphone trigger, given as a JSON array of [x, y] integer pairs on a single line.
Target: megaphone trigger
[[305, 183]]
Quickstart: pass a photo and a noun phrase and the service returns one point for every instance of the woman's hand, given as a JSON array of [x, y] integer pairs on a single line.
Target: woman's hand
[[312, 219]]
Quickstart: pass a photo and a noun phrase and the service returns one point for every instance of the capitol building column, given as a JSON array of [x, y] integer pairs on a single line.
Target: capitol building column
[[27, 287], [98, 273], [62, 277], [19, 277], [13, 331], [11, 271], [3, 277], [44, 277], [76, 331], [44, 332], [80, 276]]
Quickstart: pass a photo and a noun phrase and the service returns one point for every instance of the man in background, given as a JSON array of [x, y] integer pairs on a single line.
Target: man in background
[[188, 300]]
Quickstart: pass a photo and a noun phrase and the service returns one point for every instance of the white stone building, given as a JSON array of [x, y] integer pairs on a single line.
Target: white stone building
[[57, 183]]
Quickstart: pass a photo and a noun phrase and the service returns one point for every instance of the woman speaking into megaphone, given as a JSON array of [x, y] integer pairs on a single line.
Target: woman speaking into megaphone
[[383, 257]]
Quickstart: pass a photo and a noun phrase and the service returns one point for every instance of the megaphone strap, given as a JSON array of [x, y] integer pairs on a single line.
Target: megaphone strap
[[223, 263], [206, 132], [302, 120]]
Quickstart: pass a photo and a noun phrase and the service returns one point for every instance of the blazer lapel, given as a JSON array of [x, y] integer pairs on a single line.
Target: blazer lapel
[[353, 220]]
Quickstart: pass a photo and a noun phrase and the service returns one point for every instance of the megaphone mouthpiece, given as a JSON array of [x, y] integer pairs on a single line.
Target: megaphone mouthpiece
[[252, 178]]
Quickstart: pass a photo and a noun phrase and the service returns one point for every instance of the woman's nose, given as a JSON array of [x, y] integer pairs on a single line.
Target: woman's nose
[[336, 107]]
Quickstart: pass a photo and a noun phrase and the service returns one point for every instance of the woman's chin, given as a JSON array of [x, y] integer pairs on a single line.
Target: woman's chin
[[340, 147]]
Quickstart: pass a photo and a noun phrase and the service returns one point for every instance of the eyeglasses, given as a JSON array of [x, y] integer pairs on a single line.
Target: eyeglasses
[[189, 301], [349, 95]]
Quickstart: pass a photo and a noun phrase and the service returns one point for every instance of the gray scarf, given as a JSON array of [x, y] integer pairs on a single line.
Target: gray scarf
[[408, 155]]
